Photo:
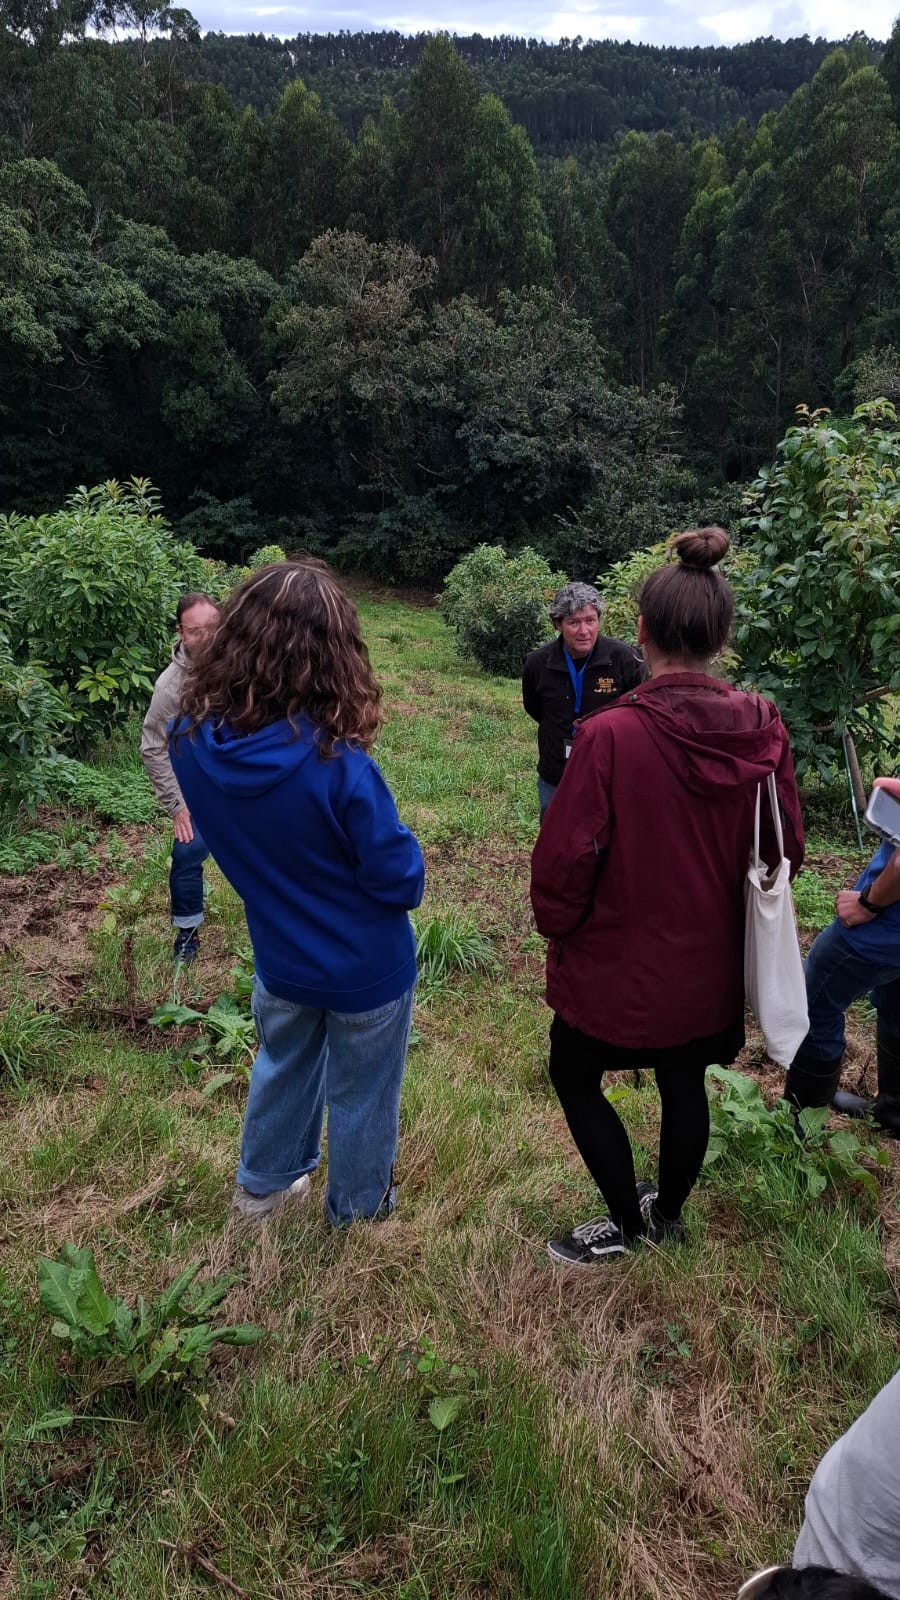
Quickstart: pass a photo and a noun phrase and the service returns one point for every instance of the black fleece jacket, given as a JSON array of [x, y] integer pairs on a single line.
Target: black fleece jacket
[[548, 695]]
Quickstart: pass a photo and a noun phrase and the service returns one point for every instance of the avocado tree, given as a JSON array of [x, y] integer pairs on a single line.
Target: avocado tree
[[818, 604], [497, 604], [87, 608]]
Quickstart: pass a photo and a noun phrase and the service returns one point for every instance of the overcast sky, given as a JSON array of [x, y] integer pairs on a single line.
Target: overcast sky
[[656, 22]]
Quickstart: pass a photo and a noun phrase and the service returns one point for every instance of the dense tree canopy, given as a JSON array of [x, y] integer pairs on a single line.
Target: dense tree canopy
[[570, 97], [394, 333]]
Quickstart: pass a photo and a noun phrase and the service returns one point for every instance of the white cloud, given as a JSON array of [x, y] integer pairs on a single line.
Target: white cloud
[[750, 22], [835, 19], [657, 22]]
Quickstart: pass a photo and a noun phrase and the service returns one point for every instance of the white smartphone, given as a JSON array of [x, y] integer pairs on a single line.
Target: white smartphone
[[883, 814]]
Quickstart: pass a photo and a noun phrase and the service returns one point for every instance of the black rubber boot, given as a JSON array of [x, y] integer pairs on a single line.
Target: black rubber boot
[[811, 1081], [885, 1108]]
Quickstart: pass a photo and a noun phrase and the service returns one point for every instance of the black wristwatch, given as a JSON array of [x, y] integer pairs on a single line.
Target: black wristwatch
[[865, 902]]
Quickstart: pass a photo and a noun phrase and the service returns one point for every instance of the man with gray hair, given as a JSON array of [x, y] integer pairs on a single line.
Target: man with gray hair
[[195, 618], [576, 673]]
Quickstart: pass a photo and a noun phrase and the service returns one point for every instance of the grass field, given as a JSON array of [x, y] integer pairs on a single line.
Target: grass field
[[435, 1411]]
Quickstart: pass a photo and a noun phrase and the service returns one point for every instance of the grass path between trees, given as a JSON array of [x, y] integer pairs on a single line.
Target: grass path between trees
[[435, 1411]]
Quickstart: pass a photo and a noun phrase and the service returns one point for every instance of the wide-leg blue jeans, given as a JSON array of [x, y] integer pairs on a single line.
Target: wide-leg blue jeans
[[350, 1061], [835, 977]]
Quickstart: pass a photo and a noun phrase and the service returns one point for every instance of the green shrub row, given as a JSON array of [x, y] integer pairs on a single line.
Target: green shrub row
[[87, 608]]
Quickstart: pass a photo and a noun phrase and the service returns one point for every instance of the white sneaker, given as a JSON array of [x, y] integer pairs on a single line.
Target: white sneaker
[[256, 1207]]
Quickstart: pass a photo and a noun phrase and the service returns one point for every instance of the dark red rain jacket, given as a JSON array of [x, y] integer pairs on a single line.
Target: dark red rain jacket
[[637, 877]]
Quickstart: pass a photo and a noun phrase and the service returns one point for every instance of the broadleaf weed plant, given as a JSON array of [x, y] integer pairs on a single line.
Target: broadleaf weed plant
[[228, 1031], [154, 1348], [448, 1389], [780, 1145]]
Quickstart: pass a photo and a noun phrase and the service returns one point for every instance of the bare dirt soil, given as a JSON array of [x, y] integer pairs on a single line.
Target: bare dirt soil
[[46, 916]]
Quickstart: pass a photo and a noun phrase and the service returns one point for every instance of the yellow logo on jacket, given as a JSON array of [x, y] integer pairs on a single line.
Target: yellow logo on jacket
[[605, 686]]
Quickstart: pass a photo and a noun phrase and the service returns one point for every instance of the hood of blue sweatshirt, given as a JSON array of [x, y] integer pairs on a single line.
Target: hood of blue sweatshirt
[[251, 764]]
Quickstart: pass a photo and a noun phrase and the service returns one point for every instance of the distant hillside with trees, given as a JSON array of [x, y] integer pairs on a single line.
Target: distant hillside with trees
[[571, 97], [390, 336]]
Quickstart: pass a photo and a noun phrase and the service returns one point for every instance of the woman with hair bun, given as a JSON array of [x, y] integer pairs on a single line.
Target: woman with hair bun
[[638, 884]]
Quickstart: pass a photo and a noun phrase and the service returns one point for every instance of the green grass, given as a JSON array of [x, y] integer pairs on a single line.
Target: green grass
[[641, 1433], [448, 944], [32, 1039], [813, 900]]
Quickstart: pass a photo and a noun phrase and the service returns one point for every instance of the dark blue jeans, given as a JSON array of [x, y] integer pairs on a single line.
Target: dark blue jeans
[[546, 791], [186, 882], [835, 977]]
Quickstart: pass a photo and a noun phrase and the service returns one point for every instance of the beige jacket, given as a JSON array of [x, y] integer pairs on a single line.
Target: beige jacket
[[154, 745]]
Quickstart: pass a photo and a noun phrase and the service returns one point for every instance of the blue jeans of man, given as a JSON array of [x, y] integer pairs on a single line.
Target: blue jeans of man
[[350, 1061], [545, 792], [186, 882], [835, 977]]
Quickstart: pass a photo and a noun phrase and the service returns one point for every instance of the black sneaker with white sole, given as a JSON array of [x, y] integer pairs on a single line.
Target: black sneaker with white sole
[[663, 1230], [584, 1229], [589, 1245], [657, 1228], [647, 1193]]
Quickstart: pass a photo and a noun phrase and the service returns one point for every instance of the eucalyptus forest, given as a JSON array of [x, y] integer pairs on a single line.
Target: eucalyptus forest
[[386, 299]]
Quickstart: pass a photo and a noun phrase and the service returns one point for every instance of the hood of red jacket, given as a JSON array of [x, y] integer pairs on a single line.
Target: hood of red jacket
[[714, 737]]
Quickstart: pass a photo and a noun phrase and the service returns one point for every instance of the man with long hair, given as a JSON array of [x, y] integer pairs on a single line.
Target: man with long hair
[[272, 755]]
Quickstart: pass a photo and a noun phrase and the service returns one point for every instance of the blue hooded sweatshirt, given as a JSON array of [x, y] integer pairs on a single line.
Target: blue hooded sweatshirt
[[315, 849]]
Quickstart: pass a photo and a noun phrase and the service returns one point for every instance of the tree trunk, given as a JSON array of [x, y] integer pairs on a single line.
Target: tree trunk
[[859, 792]]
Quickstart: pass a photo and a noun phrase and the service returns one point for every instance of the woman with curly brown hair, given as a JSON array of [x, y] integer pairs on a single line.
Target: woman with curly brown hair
[[271, 754]]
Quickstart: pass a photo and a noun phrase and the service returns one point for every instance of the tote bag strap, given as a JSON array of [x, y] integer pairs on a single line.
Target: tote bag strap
[[776, 815], [776, 818]]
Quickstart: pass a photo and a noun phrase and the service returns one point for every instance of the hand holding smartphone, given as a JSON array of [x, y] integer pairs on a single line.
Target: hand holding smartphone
[[883, 810]]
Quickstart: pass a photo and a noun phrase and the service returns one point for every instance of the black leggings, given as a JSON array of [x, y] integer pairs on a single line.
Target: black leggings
[[576, 1071]]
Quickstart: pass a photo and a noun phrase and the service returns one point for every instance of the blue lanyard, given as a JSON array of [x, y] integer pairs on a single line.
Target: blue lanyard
[[577, 678]]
